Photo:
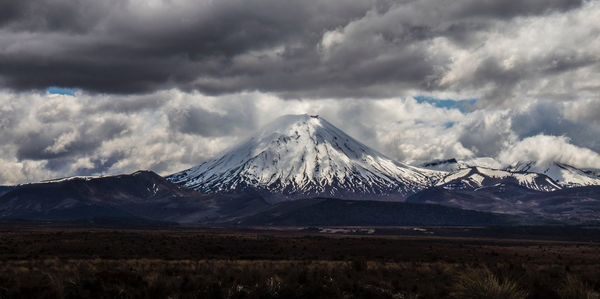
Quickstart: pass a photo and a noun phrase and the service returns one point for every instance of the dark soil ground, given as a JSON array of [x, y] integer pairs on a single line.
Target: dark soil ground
[[38, 262]]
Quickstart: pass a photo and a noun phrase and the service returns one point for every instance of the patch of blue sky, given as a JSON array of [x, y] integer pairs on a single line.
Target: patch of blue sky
[[464, 106], [62, 91]]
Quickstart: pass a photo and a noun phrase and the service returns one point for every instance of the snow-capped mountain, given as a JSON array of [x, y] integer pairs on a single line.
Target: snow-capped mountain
[[303, 155], [566, 175], [451, 165], [473, 178], [562, 174]]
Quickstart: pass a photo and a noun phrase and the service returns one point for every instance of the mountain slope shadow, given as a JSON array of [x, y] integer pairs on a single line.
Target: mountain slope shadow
[[140, 195], [337, 212]]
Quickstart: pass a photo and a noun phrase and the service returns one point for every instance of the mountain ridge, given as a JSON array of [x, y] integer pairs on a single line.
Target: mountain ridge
[[475, 177], [565, 175]]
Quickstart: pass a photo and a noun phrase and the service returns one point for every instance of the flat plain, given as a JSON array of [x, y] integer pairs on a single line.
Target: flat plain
[[71, 262]]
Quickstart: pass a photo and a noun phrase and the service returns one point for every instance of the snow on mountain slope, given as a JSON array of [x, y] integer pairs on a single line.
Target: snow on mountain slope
[[479, 177], [564, 174], [301, 155]]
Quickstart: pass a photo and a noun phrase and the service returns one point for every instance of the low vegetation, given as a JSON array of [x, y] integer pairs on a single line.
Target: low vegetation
[[291, 266], [573, 288], [482, 283]]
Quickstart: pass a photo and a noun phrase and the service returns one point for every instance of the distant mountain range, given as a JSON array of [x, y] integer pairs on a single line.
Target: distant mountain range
[[474, 178], [563, 174], [301, 170], [146, 198], [566, 175], [558, 191]]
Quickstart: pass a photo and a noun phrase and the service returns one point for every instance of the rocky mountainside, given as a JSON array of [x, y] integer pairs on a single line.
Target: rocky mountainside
[[140, 195]]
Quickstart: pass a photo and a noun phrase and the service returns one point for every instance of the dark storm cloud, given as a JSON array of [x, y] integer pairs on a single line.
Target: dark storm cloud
[[130, 47], [54, 142], [491, 71], [231, 45], [10, 10], [486, 134], [76, 16], [33, 145], [509, 9], [197, 120], [168, 84]]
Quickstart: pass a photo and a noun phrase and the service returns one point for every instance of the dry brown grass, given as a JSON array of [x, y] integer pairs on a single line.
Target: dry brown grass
[[573, 288], [182, 265], [483, 284], [152, 278]]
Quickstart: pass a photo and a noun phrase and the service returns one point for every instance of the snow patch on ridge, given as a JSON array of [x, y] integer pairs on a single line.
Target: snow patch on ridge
[[477, 177], [566, 175]]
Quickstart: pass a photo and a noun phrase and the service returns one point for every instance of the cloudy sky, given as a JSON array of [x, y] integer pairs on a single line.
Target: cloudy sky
[[105, 87]]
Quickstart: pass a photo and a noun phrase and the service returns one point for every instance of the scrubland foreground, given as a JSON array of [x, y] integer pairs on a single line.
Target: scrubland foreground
[[72, 263]]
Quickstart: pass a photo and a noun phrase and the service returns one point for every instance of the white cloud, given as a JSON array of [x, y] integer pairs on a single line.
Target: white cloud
[[551, 56], [330, 39], [47, 136], [62, 142], [545, 149], [13, 172]]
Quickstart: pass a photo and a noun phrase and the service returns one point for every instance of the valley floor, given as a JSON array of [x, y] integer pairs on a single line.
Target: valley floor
[[71, 262]]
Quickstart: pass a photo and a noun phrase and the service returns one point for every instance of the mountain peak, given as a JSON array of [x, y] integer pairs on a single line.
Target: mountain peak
[[303, 122], [566, 175], [301, 156], [290, 120]]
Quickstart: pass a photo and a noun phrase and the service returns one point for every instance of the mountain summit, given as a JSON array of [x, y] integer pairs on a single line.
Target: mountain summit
[[300, 156]]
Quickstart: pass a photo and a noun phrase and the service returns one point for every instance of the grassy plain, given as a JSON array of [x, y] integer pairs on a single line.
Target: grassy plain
[[224, 263]]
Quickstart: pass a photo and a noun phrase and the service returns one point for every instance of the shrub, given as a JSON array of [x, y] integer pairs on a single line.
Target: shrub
[[482, 283], [359, 265], [574, 288]]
